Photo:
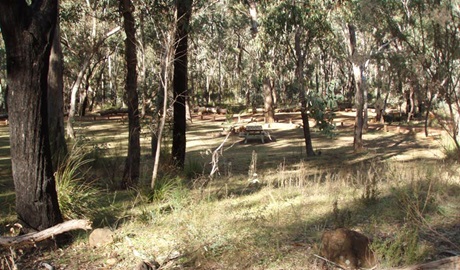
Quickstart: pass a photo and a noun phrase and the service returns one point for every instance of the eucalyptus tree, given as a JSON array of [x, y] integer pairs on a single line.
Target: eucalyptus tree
[[220, 53], [428, 32], [132, 163], [180, 81], [294, 28], [28, 31], [94, 23]]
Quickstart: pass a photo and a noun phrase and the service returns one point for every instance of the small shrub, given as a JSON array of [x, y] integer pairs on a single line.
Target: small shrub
[[402, 249], [371, 183], [416, 200]]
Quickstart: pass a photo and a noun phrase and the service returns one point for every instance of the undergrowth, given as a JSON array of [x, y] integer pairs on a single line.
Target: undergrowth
[[276, 223], [77, 194]]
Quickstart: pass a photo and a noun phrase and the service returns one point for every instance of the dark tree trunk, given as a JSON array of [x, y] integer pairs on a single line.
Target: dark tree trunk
[[300, 80], [131, 172], [180, 81], [28, 32], [58, 144]]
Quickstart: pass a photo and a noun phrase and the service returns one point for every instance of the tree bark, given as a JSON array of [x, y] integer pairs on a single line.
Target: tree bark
[[131, 172], [253, 13], [359, 89], [180, 81], [156, 138], [300, 80], [58, 144], [28, 32], [268, 101]]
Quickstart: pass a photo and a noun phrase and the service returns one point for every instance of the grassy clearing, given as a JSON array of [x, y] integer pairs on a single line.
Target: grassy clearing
[[408, 202]]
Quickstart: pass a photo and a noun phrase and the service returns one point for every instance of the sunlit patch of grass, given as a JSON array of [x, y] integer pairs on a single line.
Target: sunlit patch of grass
[[449, 148]]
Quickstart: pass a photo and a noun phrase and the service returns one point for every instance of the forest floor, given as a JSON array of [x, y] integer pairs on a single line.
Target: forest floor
[[267, 206]]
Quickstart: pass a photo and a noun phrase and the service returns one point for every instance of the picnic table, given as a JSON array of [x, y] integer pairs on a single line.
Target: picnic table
[[255, 131]]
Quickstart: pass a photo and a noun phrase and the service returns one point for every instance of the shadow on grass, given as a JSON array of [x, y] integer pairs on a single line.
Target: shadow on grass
[[386, 215]]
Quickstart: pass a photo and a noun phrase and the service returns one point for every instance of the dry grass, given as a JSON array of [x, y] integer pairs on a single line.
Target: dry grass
[[276, 222]]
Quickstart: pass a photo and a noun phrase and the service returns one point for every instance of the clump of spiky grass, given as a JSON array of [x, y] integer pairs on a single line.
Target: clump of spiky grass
[[76, 195], [449, 148]]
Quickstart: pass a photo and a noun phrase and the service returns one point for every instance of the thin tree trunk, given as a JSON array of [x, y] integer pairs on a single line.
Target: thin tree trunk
[[78, 80], [73, 97], [359, 89], [132, 164], [165, 85], [253, 14], [180, 82], [28, 32], [300, 80], [268, 101], [411, 112]]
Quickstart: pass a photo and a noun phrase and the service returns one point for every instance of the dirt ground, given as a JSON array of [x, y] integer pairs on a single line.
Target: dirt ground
[[398, 141]]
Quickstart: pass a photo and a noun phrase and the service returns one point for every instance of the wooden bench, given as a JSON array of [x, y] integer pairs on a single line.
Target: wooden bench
[[254, 131]]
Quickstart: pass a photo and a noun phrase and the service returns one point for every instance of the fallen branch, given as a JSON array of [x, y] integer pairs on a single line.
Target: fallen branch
[[32, 238], [446, 263], [215, 155]]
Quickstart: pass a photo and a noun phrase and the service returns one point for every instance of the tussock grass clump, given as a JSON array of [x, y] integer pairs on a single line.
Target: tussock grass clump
[[450, 149], [170, 193], [77, 196]]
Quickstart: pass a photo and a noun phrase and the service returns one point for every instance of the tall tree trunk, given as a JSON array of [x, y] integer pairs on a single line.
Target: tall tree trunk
[[58, 144], [28, 32], [180, 81], [131, 172], [359, 89], [300, 80]]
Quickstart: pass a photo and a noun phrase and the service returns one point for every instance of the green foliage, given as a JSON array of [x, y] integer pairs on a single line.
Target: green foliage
[[170, 191], [403, 248], [77, 197], [318, 107]]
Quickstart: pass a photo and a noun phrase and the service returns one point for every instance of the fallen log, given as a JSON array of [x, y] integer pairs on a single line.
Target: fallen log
[[109, 112], [31, 238], [446, 263]]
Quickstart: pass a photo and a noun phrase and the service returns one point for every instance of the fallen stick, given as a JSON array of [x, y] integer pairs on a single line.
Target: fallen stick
[[32, 238], [328, 261]]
